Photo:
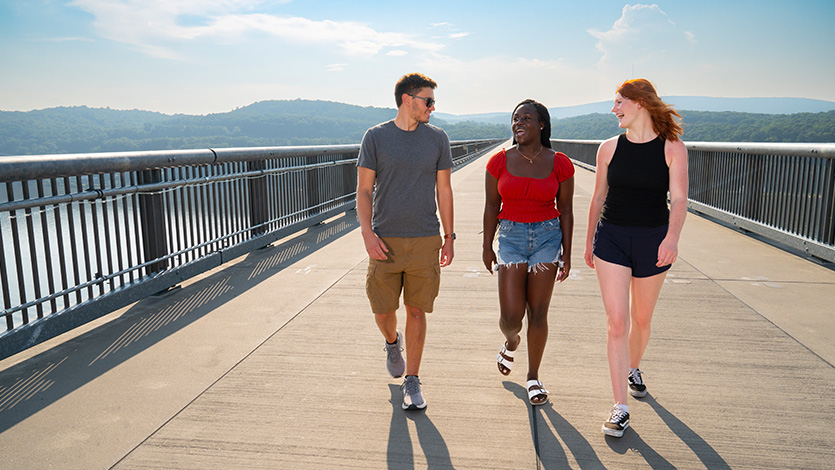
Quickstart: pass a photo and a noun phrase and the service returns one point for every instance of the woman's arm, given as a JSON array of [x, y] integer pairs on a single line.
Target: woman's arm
[[565, 204], [676, 155], [601, 189]]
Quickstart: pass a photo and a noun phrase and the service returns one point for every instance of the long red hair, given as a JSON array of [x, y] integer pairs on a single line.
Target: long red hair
[[663, 122]]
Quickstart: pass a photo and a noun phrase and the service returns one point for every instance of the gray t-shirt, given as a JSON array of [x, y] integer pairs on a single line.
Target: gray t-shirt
[[407, 164]]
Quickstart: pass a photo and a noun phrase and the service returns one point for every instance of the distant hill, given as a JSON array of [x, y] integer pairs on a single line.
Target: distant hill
[[689, 103], [705, 126], [265, 123], [308, 122]]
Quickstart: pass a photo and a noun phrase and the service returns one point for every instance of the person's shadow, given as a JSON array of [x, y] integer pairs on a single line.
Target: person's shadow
[[709, 457], [549, 449], [632, 440], [400, 452]]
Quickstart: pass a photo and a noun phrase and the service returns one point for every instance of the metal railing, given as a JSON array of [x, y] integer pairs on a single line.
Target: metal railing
[[784, 192], [83, 235]]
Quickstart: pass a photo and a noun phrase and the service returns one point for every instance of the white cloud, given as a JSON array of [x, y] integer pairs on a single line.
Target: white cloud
[[458, 35], [494, 84], [335, 67], [152, 26], [643, 36], [690, 37]]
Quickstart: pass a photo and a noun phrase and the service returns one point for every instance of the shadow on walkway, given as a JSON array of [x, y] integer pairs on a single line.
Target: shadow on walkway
[[400, 452], [549, 450], [37, 382], [631, 440]]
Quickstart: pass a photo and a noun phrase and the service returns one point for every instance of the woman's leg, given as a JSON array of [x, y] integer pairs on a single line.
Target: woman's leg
[[645, 292], [540, 286], [614, 281], [512, 302]]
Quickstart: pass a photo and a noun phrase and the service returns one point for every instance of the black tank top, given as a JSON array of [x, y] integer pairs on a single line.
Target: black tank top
[[639, 179]]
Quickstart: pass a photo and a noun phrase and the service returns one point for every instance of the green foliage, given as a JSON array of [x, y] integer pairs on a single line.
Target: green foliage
[[263, 124], [305, 122], [704, 126]]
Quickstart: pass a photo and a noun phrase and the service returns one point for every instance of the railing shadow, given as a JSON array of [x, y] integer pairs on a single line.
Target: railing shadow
[[400, 451], [544, 438], [36, 383]]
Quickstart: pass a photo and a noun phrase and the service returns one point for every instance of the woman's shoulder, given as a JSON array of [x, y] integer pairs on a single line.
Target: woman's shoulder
[[677, 144], [563, 166], [674, 150], [612, 141], [496, 162], [500, 155], [606, 150]]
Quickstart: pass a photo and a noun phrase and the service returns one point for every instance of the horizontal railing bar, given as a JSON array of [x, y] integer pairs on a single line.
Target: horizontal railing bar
[[763, 149], [152, 188], [30, 167]]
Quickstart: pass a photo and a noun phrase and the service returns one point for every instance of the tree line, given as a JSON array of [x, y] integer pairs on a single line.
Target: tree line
[[708, 126], [305, 122]]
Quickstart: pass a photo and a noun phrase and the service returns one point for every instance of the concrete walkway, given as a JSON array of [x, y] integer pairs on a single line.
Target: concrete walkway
[[274, 361]]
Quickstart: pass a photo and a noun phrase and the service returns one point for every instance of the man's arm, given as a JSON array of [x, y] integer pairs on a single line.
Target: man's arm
[[445, 208], [365, 193]]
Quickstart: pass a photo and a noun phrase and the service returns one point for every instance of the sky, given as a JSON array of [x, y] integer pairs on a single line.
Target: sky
[[214, 56]]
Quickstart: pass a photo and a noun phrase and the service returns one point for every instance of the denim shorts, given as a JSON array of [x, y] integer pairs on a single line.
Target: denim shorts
[[633, 247], [534, 244]]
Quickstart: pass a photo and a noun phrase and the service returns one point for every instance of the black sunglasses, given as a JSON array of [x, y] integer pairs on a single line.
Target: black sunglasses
[[429, 101]]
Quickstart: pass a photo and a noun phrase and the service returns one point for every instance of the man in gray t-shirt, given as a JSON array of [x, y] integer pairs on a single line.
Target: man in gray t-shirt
[[404, 165]]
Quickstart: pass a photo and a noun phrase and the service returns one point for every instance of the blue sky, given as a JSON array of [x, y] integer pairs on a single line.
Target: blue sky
[[209, 56]]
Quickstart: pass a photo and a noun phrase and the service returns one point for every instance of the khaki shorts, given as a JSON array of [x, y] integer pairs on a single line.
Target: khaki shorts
[[413, 267]]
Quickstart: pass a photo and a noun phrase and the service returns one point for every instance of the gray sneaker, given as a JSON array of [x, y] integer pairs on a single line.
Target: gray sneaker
[[412, 396], [395, 363]]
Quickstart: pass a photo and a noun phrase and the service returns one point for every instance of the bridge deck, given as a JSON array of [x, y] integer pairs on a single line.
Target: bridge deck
[[274, 361]]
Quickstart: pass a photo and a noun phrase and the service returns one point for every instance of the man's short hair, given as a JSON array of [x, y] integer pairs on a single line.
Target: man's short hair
[[411, 83]]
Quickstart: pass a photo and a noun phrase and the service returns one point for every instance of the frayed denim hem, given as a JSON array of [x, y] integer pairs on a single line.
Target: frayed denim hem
[[536, 268]]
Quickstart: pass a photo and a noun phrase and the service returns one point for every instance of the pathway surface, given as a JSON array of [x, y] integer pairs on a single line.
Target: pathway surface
[[274, 361]]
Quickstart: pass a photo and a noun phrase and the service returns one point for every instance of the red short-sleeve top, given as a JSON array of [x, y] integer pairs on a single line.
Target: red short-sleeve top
[[529, 199]]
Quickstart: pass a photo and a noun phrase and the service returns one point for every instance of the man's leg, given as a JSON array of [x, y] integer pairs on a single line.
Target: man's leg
[[387, 323], [415, 338]]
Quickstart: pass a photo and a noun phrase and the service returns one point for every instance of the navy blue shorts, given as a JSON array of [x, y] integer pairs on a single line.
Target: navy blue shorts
[[633, 247]]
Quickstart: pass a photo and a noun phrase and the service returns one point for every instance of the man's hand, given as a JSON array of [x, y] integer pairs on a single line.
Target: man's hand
[[374, 246], [447, 252]]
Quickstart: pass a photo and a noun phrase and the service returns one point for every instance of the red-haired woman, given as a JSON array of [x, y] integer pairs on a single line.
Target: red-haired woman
[[632, 238]]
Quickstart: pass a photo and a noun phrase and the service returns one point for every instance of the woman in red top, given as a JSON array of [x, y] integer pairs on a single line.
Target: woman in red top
[[529, 198]]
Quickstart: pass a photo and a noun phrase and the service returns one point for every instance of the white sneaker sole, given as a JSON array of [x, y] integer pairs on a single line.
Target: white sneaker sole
[[615, 432], [637, 394]]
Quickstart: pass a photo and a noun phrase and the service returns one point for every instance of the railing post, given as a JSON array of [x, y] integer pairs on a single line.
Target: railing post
[[753, 187], [312, 182], [258, 199], [152, 217]]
